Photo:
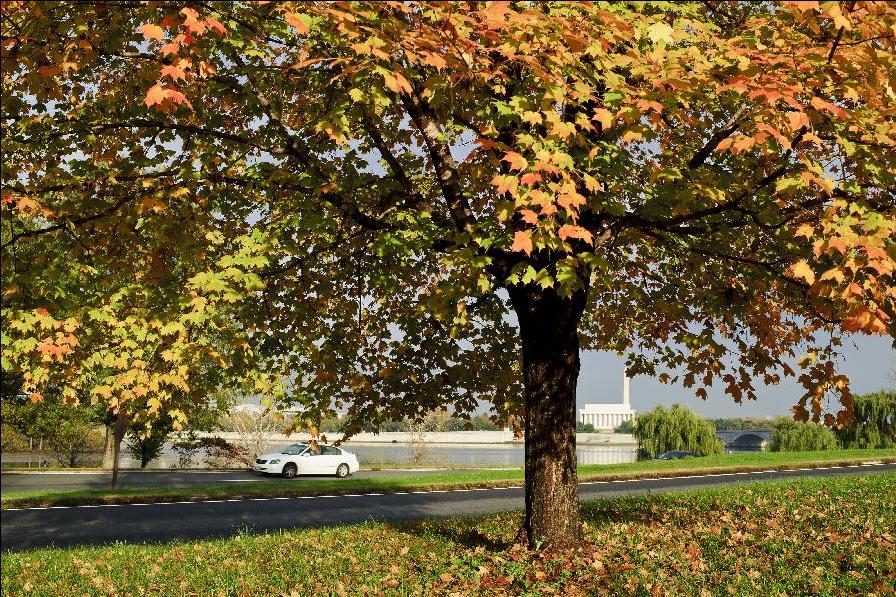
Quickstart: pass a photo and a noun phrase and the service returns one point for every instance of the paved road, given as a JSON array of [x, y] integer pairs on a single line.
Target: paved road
[[94, 525], [69, 481]]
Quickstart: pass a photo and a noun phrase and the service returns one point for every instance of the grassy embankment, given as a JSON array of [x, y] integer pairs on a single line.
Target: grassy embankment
[[832, 536], [443, 480]]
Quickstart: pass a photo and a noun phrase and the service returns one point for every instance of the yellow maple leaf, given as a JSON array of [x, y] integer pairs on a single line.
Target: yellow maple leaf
[[802, 271]]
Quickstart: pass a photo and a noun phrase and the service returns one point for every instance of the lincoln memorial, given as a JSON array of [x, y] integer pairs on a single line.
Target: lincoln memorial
[[608, 416]]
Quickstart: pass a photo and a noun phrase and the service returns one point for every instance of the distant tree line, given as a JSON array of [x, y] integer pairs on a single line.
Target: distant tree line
[[677, 428], [436, 420], [742, 424]]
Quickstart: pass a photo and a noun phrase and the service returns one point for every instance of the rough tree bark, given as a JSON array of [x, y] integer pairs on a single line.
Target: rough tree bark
[[119, 427], [549, 334], [109, 447]]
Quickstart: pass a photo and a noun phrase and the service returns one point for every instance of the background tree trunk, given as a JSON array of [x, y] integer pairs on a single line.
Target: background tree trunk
[[118, 430], [548, 330], [109, 447]]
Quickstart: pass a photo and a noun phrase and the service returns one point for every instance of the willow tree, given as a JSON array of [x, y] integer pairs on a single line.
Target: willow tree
[[677, 428], [394, 207], [874, 422]]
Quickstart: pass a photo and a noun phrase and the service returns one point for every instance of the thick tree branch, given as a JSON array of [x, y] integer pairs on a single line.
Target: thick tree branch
[[443, 163], [71, 221], [727, 129]]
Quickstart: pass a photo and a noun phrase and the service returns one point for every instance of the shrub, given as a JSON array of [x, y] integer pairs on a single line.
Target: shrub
[[584, 427], [484, 423], [625, 427], [677, 428], [146, 446], [795, 436]]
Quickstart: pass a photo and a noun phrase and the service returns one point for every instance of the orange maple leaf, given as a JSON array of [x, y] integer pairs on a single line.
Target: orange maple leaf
[[175, 72], [529, 216], [151, 31], [397, 83], [516, 161], [156, 95], [604, 117], [570, 231], [802, 271], [522, 241], [294, 20], [217, 26]]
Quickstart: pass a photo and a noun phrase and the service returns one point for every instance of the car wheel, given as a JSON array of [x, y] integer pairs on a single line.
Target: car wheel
[[290, 470], [342, 471]]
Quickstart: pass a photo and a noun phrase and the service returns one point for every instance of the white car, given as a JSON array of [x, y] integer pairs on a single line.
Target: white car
[[300, 459]]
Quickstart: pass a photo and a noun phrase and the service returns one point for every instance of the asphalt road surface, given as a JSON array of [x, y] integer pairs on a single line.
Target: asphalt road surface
[[96, 525], [70, 481]]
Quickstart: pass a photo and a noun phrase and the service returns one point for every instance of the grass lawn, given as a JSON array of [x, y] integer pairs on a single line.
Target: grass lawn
[[442, 480], [832, 536]]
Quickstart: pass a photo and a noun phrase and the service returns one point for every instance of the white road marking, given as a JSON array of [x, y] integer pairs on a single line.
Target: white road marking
[[314, 497]]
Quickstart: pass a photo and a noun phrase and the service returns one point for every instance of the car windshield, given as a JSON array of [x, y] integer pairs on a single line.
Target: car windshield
[[294, 449]]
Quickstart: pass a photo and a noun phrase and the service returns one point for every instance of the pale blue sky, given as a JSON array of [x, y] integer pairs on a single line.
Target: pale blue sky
[[868, 361]]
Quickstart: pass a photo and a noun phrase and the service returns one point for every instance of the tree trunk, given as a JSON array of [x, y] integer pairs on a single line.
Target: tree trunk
[[549, 334], [109, 447], [118, 431]]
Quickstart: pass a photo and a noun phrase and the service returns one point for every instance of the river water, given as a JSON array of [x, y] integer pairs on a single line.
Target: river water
[[369, 455], [379, 455]]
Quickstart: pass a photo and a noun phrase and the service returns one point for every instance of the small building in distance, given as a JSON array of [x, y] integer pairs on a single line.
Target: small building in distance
[[609, 416]]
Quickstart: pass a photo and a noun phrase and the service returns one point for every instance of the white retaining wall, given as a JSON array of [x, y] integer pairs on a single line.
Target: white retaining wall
[[441, 437]]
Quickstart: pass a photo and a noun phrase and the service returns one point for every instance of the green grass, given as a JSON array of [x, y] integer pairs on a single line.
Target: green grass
[[832, 536], [440, 480]]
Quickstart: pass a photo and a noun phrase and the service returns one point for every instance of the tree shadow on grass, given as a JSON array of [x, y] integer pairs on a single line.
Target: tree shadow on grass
[[467, 532], [498, 532]]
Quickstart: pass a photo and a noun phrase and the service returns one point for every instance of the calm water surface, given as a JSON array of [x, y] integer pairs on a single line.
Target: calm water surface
[[379, 455], [499, 455]]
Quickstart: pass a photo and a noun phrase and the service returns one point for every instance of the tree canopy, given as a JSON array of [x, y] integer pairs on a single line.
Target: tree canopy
[[382, 205]]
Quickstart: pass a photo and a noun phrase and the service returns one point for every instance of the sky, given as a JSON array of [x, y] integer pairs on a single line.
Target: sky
[[870, 363]]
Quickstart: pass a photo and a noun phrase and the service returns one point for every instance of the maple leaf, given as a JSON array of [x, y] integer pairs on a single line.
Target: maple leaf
[[530, 178], [175, 72], [802, 271], [151, 31], [298, 22], [156, 95], [604, 117], [159, 96], [397, 83], [516, 161], [797, 120], [660, 32], [433, 59], [802, 5], [571, 231], [840, 20], [217, 26], [191, 21], [522, 241], [820, 104], [532, 118], [570, 199], [529, 216], [496, 11]]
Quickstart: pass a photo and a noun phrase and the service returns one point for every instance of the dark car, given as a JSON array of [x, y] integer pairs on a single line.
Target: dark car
[[676, 455]]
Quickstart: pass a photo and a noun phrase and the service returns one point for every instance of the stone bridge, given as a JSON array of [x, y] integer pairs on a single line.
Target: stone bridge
[[745, 440]]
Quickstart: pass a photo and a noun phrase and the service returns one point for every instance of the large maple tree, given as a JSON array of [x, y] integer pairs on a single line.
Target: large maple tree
[[389, 207]]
